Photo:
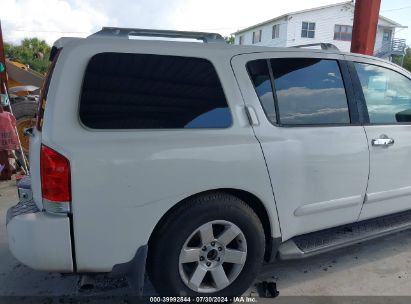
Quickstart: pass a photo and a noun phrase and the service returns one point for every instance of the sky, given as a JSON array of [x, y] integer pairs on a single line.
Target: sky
[[52, 19]]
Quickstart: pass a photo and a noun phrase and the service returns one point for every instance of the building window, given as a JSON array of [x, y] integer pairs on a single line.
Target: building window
[[145, 91], [308, 30], [276, 31], [241, 40], [257, 36], [386, 36], [343, 32]]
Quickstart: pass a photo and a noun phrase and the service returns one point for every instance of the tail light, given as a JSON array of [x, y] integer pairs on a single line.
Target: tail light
[[55, 181]]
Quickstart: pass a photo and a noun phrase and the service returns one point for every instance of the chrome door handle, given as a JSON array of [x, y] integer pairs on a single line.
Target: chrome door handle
[[383, 140], [252, 116]]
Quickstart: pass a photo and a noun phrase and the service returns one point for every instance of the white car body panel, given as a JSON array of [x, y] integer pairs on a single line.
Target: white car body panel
[[41, 241], [389, 186], [123, 182], [308, 165]]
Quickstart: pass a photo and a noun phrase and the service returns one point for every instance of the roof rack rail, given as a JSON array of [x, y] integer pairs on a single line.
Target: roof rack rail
[[324, 46], [126, 32]]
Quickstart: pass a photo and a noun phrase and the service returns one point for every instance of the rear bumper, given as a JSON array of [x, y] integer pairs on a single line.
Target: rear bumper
[[39, 240]]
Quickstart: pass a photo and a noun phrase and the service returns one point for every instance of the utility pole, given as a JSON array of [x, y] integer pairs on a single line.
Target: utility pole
[[366, 18]]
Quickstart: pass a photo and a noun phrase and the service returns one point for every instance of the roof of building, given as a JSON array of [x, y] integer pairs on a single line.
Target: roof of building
[[395, 24]]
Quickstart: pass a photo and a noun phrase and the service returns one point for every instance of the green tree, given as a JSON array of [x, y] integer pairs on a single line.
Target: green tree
[[32, 52], [229, 39], [407, 60]]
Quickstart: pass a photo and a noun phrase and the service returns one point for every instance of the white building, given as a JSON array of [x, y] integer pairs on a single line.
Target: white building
[[326, 24]]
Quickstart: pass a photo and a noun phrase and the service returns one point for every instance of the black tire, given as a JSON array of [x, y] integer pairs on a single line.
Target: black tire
[[24, 112], [24, 109], [168, 240]]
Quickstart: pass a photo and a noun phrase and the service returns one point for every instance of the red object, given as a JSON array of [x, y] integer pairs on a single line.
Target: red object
[[8, 134], [19, 177], [366, 16], [55, 176]]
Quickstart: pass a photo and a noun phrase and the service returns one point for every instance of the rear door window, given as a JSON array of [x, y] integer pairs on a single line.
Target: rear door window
[[260, 75], [301, 91], [310, 91], [144, 91]]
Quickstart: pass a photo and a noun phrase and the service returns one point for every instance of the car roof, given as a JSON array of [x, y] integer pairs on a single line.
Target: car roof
[[230, 50]]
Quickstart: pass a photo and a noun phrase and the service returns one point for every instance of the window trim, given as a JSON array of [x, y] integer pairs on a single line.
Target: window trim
[[360, 98], [277, 27], [267, 62], [348, 87], [260, 31], [241, 40], [308, 29], [390, 35], [340, 25], [275, 97], [90, 129], [353, 109]]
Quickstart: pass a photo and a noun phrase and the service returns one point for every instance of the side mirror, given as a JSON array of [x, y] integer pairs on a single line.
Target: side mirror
[[1, 67]]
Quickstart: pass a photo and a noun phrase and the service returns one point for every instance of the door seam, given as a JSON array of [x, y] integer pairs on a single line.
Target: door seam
[[261, 148], [369, 173]]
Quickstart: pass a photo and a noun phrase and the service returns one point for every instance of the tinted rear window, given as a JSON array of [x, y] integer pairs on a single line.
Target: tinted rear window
[[260, 75], [140, 91], [310, 91]]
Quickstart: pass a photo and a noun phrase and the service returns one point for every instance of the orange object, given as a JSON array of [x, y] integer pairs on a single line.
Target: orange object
[[366, 16]]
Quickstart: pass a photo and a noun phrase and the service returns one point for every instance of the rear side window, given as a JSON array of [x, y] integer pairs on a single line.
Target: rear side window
[[143, 91], [310, 91], [260, 76], [307, 91]]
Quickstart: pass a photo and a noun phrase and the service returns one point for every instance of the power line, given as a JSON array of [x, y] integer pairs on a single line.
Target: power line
[[396, 9]]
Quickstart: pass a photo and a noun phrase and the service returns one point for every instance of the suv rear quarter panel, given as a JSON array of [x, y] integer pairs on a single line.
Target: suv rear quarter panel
[[124, 181]]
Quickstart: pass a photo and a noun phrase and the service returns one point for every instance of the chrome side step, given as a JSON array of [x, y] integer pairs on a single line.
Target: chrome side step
[[326, 240]]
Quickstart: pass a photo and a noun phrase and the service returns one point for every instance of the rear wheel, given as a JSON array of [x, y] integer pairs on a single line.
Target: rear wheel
[[212, 245], [25, 113]]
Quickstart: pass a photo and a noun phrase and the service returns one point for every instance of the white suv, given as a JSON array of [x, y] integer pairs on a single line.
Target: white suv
[[195, 163]]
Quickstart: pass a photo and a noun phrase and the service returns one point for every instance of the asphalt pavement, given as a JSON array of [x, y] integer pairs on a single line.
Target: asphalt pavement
[[380, 267]]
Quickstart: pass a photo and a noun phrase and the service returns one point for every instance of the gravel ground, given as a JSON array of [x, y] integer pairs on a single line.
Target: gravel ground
[[380, 267]]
